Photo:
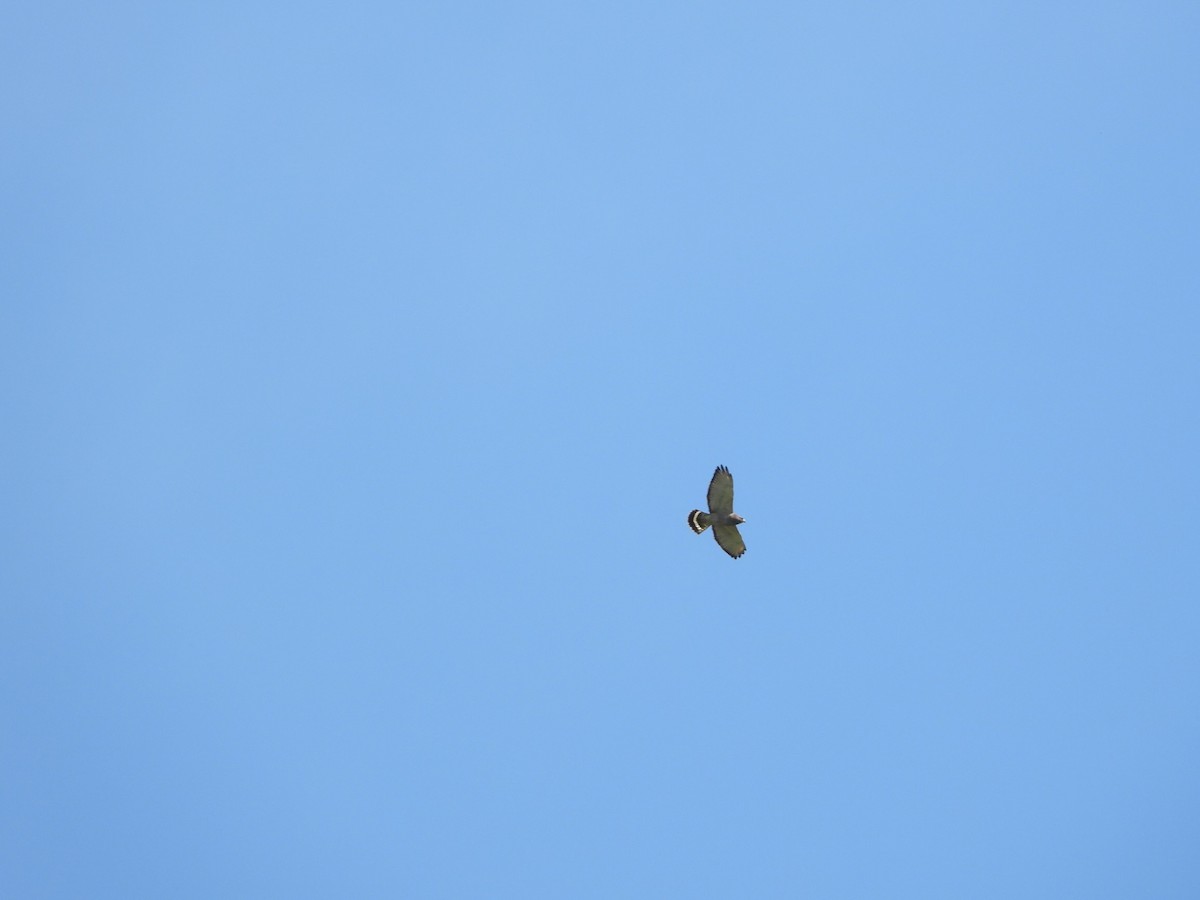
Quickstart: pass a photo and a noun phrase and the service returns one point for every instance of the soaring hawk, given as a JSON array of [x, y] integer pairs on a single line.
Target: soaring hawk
[[720, 515]]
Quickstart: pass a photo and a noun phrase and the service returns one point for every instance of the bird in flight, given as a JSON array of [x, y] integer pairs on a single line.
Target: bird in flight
[[720, 515]]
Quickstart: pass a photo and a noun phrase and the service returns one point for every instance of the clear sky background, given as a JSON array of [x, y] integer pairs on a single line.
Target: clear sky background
[[361, 362]]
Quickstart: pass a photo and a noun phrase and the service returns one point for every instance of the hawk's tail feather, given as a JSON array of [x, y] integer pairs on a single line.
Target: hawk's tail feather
[[698, 521]]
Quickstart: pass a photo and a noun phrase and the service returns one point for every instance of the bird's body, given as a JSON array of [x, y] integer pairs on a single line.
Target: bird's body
[[720, 516]]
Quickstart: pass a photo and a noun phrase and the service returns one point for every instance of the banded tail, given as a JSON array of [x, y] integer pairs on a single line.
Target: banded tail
[[698, 521]]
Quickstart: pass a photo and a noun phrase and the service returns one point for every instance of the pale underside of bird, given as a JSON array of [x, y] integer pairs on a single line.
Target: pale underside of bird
[[720, 515]]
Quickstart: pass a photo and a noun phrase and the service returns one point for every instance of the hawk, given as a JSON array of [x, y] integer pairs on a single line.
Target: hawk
[[720, 515]]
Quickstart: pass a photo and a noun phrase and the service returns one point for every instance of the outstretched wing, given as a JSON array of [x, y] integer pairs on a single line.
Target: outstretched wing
[[720, 494], [730, 539]]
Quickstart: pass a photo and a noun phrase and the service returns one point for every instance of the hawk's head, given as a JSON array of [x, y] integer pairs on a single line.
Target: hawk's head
[[736, 519]]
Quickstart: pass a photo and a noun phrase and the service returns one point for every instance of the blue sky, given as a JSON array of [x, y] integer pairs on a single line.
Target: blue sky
[[362, 361]]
